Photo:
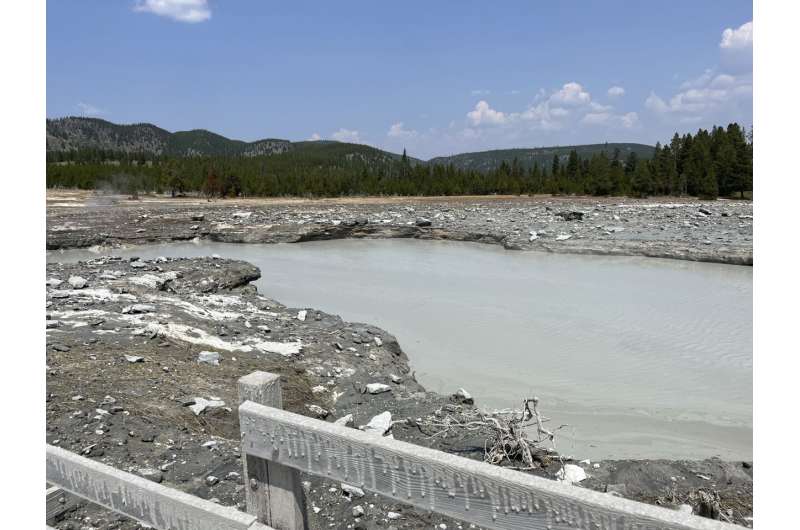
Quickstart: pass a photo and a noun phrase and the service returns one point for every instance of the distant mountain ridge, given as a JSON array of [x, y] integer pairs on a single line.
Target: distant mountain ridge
[[76, 133], [489, 160], [65, 134]]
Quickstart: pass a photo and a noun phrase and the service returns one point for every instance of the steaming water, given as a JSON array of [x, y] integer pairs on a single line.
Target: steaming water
[[641, 357]]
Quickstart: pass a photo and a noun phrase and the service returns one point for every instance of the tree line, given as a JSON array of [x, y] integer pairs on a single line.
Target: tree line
[[707, 164]]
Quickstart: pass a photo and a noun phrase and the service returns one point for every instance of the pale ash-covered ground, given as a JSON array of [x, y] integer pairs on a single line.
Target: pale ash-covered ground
[[716, 231], [124, 385]]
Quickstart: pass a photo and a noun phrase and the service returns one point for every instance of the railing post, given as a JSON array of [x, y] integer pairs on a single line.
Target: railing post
[[273, 492]]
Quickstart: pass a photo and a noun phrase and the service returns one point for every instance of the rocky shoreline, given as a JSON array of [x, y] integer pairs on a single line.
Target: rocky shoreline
[[712, 231], [143, 358]]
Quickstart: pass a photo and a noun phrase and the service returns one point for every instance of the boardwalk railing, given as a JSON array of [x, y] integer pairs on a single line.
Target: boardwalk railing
[[467, 490], [141, 499], [278, 445]]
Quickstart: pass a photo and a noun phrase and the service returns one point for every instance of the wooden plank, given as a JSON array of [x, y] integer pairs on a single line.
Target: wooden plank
[[274, 492], [141, 499], [471, 491], [58, 501]]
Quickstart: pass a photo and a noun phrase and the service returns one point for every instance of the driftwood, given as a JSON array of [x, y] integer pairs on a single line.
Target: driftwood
[[508, 442]]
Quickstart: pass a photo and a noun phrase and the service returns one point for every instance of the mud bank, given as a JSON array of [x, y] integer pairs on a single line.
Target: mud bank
[[713, 231], [126, 386]]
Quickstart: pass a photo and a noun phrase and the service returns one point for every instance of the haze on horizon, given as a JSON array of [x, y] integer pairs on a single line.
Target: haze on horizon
[[435, 79]]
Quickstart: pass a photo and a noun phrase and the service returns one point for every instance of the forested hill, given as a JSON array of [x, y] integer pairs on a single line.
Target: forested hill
[[89, 153], [490, 160], [77, 134]]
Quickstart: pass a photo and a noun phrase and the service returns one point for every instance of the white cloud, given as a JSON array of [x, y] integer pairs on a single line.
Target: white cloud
[[191, 11], [739, 38], [629, 120], [616, 91], [480, 92], [485, 115], [397, 130], [87, 109], [707, 94], [347, 135], [571, 94], [626, 121], [314, 137]]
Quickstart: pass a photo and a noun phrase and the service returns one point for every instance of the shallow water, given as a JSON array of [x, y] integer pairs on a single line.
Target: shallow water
[[642, 357]]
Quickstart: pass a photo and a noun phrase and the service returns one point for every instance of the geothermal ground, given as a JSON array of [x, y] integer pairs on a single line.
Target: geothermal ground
[[143, 356]]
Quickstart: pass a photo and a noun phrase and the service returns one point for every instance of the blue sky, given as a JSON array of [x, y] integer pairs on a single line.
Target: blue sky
[[436, 77]]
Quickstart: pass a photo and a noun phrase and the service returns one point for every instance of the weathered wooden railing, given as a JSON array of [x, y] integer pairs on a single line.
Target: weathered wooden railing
[[278, 445], [141, 499]]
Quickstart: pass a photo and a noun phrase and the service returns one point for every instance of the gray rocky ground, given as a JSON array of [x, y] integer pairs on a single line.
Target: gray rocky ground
[[718, 231], [125, 386]]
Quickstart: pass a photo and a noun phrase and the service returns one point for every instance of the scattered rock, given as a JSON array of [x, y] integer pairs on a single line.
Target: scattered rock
[[318, 411], [209, 357], [358, 511], [134, 359], [570, 215], [379, 425], [352, 491], [571, 474], [378, 388], [211, 480], [301, 315], [463, 396], [421, 221], [201, 404], [76, 282], [138, 308]]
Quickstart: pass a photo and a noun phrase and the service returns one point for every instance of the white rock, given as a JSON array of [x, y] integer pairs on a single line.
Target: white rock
[[319, 389], [201, 404], [138, 264], [395, 378], [54, 282], [209, 357], [378, 388], [379, 424], [358, 511], [301, 315], [378, 341], [352, 490], [463, 394], [138, 308], [317, 411], [134, 359], [571, 474], [393, 516], [534, 236], [563, 237], [76, 282]]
